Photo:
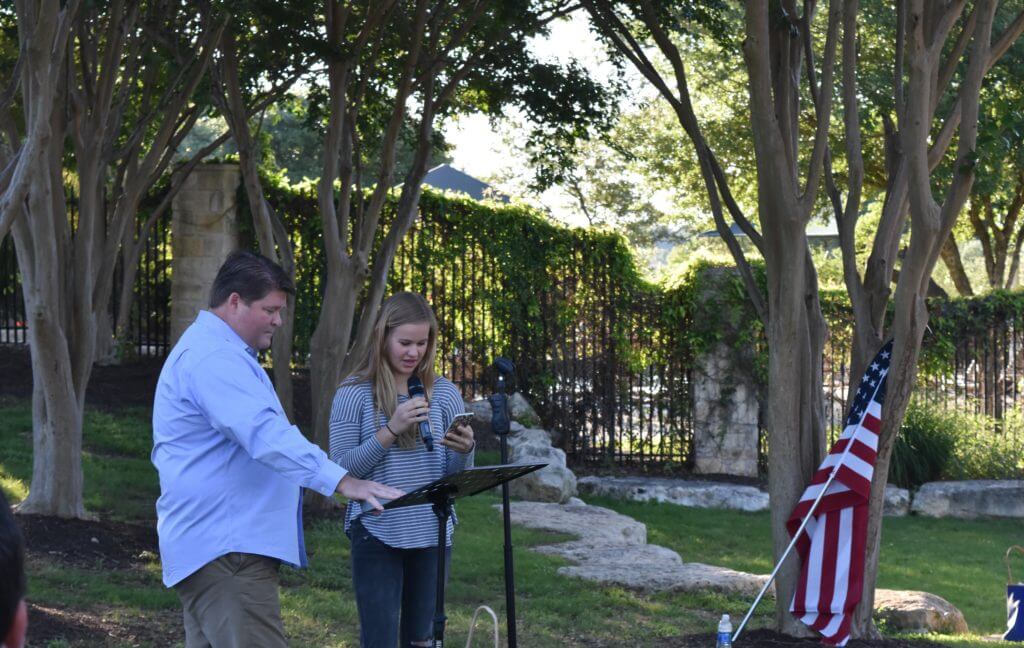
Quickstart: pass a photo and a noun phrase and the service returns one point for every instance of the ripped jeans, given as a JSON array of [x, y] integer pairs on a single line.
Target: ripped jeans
[[395, 591]]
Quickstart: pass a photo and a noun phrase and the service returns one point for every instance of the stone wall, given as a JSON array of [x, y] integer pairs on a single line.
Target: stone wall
[[725, 410], [204, 230]]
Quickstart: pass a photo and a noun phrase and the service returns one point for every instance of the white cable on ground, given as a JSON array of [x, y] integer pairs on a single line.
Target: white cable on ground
[[472, 625]]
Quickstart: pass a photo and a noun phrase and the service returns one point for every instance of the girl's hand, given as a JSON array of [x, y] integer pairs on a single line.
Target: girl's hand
[[408, 414], [459, 439]]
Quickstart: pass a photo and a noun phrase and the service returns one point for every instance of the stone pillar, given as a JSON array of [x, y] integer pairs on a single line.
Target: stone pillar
[[725, 409], [204, 230]]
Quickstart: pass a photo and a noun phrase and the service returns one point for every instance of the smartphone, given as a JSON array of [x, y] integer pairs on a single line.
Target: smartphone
[[460, 419]]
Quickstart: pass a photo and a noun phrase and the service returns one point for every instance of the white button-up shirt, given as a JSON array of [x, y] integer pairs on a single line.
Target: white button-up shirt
[[230, 463]]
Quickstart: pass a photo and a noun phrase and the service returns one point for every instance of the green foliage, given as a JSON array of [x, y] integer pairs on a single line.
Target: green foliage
[[503, 275], [954, 320], [506, 281], [938, 444], [924, 446], [723, 314], [988, 449]]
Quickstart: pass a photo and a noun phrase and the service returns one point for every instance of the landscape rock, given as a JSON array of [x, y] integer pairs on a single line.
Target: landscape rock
[[550, 484], [519, 409], [481, 410], [586, 551], [612, 549], [705, 494], [596, 524], [918, 612], [687, 577], [530, 442], [701, 494], [553, 483], [971, 499], [897, 501]]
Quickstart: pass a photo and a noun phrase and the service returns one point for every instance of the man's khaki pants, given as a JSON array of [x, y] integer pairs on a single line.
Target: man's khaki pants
[[232, 602]]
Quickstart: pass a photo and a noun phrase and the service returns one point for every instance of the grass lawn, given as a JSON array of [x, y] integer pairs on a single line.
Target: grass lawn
[[959, 560], [951, 558]]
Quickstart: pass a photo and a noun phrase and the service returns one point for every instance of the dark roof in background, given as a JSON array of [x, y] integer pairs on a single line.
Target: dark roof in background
[[448, 178]]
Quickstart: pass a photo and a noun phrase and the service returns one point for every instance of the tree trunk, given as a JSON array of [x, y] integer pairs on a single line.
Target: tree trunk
[[796, 431], [270, 232], [329, 345], [56, 487], [281, 355], [951, 257], [107, 351], [58, 399]]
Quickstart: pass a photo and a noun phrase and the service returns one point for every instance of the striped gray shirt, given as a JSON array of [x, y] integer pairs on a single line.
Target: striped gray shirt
[[354, 446]]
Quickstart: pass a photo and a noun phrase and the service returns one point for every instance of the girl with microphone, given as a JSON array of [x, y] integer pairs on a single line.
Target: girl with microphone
[[375, 434]]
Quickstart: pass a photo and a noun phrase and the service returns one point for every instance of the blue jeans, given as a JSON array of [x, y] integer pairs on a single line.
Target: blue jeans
[[392, 583]]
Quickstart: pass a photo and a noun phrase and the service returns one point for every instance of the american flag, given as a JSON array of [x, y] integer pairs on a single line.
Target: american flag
[[832, 545]]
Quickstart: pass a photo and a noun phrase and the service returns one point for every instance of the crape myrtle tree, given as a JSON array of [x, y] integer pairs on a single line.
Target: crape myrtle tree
[[272, 45], [799, 57], [994, 215], [274, 79], [119, 102], [398, 62], [267, 44], [27, 128]]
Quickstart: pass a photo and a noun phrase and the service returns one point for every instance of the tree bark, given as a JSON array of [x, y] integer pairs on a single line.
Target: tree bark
[[931, 224], [796, 328], [36, 215], [270, 232], [67, 265], [951, 257], [41, 240]]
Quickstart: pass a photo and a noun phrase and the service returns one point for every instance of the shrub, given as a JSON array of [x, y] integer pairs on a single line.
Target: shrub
[[924, 446], [989, 449], [936, 444]]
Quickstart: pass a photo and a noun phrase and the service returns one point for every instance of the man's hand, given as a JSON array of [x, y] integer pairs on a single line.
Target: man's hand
[[367, 491]]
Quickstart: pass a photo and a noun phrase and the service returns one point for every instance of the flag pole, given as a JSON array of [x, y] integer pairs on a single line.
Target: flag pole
[[792, 543], [821, 493]]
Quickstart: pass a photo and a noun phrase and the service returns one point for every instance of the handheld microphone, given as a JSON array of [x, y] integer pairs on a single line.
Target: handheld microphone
[[416, 389]]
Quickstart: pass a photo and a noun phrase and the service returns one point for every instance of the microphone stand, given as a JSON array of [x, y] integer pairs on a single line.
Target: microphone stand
[[500, 426]]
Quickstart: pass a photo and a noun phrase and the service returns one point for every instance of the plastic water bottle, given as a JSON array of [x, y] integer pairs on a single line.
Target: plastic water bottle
[[724, 633]]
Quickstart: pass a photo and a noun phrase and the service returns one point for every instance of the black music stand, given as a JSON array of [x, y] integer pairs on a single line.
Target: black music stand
[[441, 494]]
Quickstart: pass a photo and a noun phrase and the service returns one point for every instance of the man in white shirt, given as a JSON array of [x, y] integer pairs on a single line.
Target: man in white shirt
[[231, 465]]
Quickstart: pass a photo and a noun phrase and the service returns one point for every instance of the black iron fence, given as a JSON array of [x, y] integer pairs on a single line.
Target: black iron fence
[[602, 354], [594, 347], [147, 329]]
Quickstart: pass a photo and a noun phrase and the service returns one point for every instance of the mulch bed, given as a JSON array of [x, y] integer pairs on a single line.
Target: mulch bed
[[89, 544], [102, 628], [110, 386], [102, 546]]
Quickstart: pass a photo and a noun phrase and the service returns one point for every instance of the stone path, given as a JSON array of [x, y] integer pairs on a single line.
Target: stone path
[[612, 549]]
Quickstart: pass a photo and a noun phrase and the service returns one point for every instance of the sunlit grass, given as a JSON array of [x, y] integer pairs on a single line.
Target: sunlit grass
[[958, 560]]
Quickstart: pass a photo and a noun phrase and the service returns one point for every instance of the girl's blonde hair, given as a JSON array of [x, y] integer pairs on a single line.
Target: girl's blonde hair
[[397, 310]]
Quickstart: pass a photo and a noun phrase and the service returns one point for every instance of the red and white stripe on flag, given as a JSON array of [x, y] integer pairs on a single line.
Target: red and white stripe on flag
[[832, 545]]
